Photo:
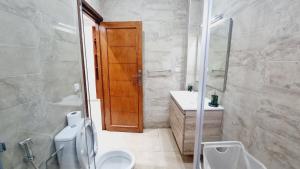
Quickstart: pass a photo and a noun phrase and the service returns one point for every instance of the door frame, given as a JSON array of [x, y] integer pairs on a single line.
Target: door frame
[[105, 74], [83, 7], [98, 72]]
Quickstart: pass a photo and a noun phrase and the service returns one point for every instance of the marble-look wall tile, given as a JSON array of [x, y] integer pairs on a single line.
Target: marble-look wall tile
[[14, 93], [164, 49], [284, 76], [16, 61], [10, 36], [39, 63], [262, 97], [59, 85]]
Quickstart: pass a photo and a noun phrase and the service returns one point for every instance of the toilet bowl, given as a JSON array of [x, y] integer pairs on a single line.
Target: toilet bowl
[[81, 150], [116, 159]]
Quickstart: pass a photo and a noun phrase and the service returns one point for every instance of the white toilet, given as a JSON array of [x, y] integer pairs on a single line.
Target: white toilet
[[80, 148]]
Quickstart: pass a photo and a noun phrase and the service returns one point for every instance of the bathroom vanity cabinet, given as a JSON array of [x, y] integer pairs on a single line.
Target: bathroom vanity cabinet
[[183, 107]]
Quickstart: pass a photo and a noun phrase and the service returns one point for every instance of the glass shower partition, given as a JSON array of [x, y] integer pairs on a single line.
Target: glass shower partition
[[40, 78]]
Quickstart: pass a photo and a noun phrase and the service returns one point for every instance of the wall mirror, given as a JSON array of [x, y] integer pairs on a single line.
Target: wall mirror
[[219, 51]]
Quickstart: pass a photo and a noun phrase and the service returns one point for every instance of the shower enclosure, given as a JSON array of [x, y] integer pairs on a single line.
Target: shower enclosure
[[261, 69]]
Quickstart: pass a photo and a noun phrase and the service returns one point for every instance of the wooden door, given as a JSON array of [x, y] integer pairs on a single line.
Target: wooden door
[[121, 53]]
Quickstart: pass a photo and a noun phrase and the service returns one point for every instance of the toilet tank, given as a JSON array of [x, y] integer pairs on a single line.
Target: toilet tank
[[67, 157]]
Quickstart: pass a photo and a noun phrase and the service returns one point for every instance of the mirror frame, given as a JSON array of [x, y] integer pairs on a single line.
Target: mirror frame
[[227, 53]]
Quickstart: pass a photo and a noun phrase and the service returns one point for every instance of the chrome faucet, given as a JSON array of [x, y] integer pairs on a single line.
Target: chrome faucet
[[25, 144], [28, 155]]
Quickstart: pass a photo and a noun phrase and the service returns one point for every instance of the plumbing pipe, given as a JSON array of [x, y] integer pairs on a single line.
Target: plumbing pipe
[[33, 164], [53, 155]]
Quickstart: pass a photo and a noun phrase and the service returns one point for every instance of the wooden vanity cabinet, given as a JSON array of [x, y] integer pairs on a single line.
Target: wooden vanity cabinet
[[183, 125]]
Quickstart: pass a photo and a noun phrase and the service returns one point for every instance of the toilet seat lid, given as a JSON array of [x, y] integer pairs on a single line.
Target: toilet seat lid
[[86, 144]]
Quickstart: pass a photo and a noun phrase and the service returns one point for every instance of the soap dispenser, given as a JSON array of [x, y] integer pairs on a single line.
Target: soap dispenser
[[214, 100], [190, 88]]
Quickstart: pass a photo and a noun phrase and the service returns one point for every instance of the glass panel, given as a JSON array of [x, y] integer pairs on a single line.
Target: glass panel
[[40, 77], [260, 105], [89, 28]]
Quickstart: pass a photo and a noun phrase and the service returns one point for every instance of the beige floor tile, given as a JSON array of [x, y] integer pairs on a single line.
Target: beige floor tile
[[158, 160], [150, 132], [153, 149], [167, 140]]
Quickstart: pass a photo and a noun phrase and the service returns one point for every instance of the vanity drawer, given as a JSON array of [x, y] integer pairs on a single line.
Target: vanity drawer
[[177, 123], [183, 125]]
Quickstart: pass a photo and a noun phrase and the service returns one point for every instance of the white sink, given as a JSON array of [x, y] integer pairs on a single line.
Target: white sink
[[189, 101]]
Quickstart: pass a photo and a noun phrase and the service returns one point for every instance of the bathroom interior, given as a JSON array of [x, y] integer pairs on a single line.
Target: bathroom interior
[[149, 84]]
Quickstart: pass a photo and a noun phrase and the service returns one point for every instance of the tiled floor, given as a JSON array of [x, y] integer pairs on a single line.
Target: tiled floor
[[153, 149]]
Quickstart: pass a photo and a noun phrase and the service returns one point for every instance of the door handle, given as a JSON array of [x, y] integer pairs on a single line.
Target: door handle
[[139, 77]]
